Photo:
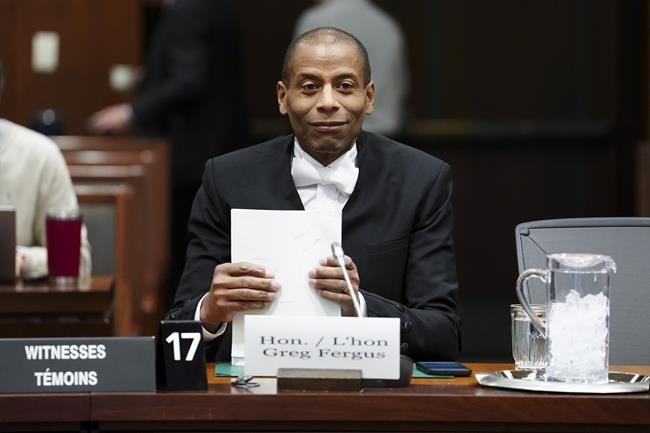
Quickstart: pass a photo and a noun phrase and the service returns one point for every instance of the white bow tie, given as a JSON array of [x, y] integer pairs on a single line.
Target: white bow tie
[[344, 177]]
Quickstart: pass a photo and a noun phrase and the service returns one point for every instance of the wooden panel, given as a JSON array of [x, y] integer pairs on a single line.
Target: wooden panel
[[458, 405], [93, 36], [61, 408], [7, 54], [507, 59], [440, 405], [39, 310], [643, 179]]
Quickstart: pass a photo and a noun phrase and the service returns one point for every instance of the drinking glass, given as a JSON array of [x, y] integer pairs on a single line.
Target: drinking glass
[[63, 232], [528, 345]]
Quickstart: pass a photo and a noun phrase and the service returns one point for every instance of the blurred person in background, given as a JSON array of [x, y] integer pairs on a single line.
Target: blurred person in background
[[190, 94], [33, 179], [381, 35]]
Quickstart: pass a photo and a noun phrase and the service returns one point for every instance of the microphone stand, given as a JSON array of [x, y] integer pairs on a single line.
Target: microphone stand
[[337, 252]]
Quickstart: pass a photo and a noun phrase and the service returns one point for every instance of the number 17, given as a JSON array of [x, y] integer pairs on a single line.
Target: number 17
[[175, 340]]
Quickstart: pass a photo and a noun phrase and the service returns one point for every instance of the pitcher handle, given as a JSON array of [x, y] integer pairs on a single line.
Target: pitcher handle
[[542, 275]]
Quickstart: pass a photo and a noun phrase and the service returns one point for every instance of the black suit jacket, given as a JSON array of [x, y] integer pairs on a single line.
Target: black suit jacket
[[192, 86], [397, 228]]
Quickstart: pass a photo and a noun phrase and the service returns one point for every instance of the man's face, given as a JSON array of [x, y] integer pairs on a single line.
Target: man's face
[[325, 97]]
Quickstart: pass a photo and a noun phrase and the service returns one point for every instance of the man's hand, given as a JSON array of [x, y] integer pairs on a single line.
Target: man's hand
[[20, 263], [237, 287], [114, 119], [328, 279]]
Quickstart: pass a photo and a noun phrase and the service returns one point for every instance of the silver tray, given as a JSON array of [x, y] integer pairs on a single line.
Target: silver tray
[[532, 380]]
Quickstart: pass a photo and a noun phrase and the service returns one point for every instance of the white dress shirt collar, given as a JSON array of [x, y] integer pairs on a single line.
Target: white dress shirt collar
[[342, 172]]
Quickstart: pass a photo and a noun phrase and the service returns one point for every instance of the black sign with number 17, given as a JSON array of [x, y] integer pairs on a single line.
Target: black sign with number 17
[[181, 357]]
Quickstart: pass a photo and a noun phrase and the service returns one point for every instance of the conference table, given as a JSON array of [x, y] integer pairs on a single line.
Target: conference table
[[436, 405]]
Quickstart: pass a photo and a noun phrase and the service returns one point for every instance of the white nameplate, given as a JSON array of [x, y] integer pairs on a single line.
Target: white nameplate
[[368, 344]]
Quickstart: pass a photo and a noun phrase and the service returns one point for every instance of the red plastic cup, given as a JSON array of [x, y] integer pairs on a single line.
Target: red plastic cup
[[63, 232]]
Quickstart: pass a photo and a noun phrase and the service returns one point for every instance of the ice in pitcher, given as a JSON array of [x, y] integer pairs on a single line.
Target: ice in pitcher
[[578, 339]]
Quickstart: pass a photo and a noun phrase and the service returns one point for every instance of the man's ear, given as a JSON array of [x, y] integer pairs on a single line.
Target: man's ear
[[281, 90], [370, 97]]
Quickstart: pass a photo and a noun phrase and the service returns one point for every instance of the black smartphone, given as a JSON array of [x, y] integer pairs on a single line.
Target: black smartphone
[[443, 368]]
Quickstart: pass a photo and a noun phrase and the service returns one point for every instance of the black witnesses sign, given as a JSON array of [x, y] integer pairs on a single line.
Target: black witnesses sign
[[77, 364]]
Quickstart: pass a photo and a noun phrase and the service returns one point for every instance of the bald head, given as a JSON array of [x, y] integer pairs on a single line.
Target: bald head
[[329, 35]]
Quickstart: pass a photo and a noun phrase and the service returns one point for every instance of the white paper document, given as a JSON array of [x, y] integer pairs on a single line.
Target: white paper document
[[289, 243]]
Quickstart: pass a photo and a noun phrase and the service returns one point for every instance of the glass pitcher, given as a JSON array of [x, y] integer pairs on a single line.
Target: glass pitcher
[[577, 324]]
